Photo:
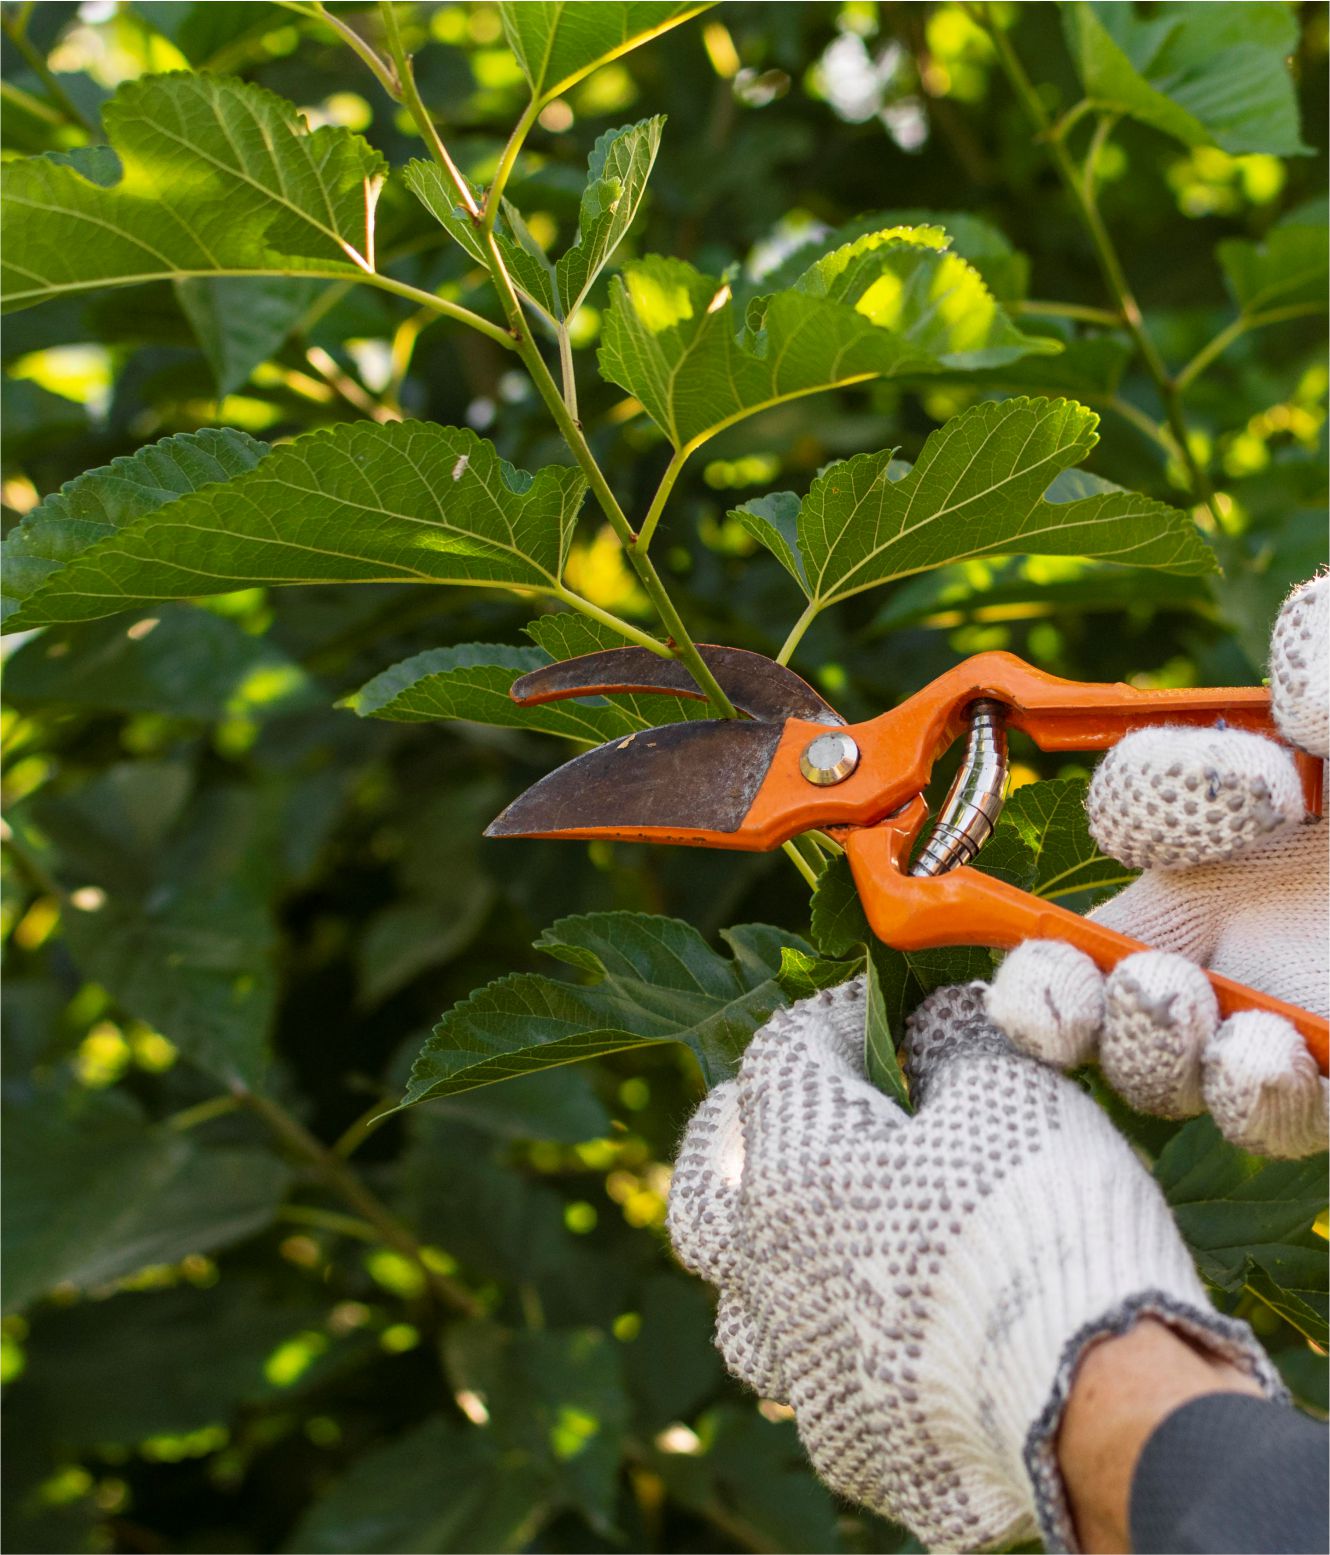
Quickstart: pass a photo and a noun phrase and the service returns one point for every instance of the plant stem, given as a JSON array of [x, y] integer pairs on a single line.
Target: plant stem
[[1067, 310], [797, 631], [672, 471], [410, 96], [382, 71], [452, 310], [329, 1220], [566, 371], [355, 1134], [1234, 331], [18, 36], [507, 161], [341, 1180], [800, 863], [634, 634], [202, 1112], [1082, 193]]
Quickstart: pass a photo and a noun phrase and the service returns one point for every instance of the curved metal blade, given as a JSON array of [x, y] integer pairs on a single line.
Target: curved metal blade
[[755, 684], [690, 777]]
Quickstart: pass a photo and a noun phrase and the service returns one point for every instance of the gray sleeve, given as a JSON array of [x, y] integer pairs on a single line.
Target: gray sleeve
[[1229, 1472]]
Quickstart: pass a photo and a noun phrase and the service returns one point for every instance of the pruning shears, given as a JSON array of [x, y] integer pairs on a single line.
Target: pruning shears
[[794, 765]]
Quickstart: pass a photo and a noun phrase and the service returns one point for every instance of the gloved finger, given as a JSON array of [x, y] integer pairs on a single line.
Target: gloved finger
[[1159, 1012], [948, 1028], [1263, 1088], [702, 1212], [745, 1342], [1172, 797], [1048, 998], [1300, 667]]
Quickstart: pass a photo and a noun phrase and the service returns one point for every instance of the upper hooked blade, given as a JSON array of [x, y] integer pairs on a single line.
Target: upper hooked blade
[[755, 684], [686, 779]]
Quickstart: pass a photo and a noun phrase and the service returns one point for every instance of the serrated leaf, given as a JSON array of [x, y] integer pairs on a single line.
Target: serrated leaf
[[1289, 267], [617, 171], [1206, 75], [1050, 820], [984, 484], [94, 1194], [880, 1038], [97, 504], [218, 177], [408, 502], [1232, 1207], [803, 973], [654, 979], [886, 304], [556, 1400], [182, 662], [556, 44], [240, 321]]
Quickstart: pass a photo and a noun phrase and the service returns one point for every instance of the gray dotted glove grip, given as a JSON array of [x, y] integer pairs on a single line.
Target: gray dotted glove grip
[[920, 1288], [1235, 881]]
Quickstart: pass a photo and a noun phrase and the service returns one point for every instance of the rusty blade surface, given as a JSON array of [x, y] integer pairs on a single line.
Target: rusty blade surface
[[755, 684], [700, 776]]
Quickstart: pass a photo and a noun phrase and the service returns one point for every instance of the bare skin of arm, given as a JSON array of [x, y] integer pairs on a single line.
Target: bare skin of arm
[[1124, 1388]]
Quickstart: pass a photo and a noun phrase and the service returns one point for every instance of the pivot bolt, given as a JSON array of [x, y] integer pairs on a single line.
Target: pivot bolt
[[828, 759]]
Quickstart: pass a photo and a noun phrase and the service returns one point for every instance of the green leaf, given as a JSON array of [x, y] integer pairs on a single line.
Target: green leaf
[[653, 979], [1050, 820], [1291, 1280], [1232, 1207], [96, 505], [218, 177], [880, 1038], [409, 502], [889, 303], [556, 1401], [437, 1487], [1289, 267], [242, 321], [617, 171], [556, 44], [983, 485], [96, 1194], [181, 662], [1206, 75]]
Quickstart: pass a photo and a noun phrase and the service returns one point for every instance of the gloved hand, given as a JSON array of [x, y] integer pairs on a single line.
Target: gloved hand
[[921, 1288], [1235, 880]]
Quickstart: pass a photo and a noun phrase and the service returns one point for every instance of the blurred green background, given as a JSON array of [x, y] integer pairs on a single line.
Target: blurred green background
[[277, 1374]]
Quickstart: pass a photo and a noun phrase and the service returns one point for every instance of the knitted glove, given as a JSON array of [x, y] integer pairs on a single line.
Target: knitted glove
[[921, 1288], [1235, 880]]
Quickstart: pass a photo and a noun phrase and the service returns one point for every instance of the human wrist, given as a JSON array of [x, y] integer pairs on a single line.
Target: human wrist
[[1124, 1387]]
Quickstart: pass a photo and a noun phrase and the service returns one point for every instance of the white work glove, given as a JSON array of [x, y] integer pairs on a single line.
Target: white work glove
[[920, 1289], [1235, 880]]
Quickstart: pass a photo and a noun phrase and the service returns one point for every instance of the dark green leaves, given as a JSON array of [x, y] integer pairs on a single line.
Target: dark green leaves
[[888, 303], [652, 979], [556, 44], [94, 506], [984, 484], [217, 177], [1204, 74], [1287, 268], [1066, 866], [94, 1194], [409, 502]]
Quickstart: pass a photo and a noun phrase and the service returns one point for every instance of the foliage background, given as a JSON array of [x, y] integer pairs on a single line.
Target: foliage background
[[256, 1363]]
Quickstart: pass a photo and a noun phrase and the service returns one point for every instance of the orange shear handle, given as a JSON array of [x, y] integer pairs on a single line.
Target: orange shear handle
[[965, 907]]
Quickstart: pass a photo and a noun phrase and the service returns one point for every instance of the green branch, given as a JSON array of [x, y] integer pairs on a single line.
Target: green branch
[[73, 114], [1243, 324]]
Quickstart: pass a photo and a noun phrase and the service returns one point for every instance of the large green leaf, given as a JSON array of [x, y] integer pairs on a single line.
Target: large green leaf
[[182, 662], [93, 1193], [556, 44], [617, 173], [1205, 74], [96, 505], [409, 502], [1068, 868], [1247, 1219], [556, 1400], [653, 979], [217, 177], [240, 321], [889, 303], [985, 483], [1290, 266]]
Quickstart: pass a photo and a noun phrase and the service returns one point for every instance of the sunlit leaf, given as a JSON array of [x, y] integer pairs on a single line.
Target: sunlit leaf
[[94, 1193], [991, 480], [556, 44], [217, 177], [889, 303], [653, 979], [1204, 74], [409, 502]]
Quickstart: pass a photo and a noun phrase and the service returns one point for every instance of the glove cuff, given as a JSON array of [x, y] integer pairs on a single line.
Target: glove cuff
[[1227, 1337]]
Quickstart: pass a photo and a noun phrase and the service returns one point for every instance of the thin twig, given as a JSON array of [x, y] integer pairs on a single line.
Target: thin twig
[[410, 96], [1235, 330], [37, 63]]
